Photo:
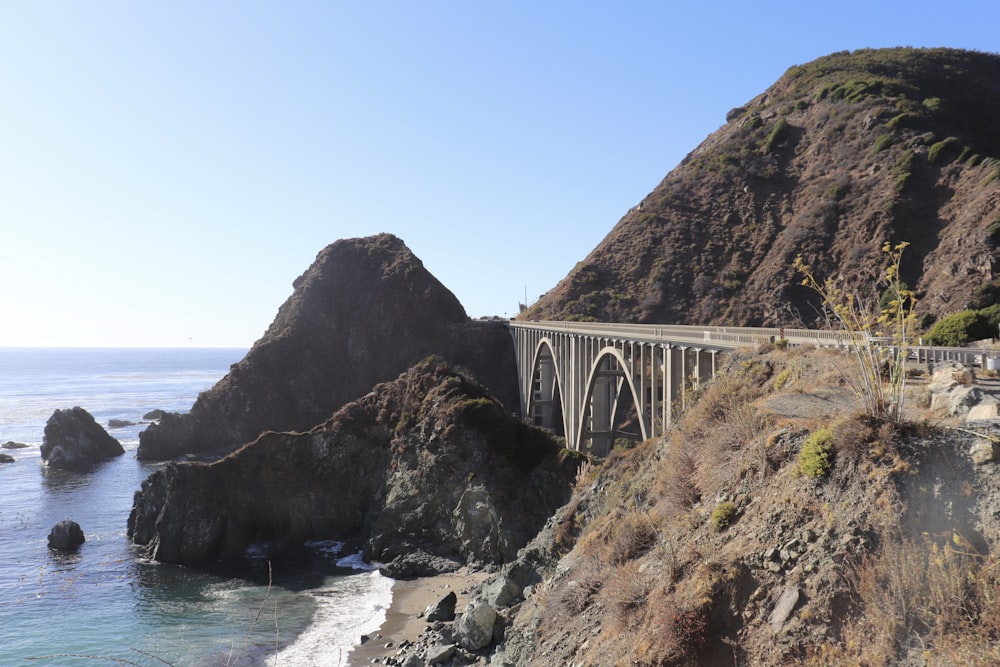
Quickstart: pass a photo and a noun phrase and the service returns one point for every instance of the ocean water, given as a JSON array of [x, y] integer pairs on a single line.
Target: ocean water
[[106, 605]]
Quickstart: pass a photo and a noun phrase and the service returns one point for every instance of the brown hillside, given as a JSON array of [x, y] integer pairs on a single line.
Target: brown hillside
[[837, 157]]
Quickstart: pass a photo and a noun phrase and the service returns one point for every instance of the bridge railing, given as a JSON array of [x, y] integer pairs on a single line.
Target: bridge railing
[[672, 333], [721, 337]]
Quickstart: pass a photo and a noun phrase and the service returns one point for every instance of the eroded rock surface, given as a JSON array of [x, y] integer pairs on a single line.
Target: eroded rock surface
[[427, 462], [364, 312]]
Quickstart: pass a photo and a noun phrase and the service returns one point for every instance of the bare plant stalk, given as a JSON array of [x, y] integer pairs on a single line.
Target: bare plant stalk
[[877, 340], [232, 659]]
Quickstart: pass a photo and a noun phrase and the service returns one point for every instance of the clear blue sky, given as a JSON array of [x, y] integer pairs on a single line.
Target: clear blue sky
[[167, 169]]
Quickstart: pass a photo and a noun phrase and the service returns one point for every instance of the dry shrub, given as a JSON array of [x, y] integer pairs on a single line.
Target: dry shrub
[[741, 381], [675, 626], [725, 420], [860, 437], [675, 478], [939, 594], [633, 535], [567, 530], [572, 595], [625, 593]]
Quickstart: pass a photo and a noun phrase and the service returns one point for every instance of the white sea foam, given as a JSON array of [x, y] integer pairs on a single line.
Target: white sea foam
[[355, 562], [352, 606]]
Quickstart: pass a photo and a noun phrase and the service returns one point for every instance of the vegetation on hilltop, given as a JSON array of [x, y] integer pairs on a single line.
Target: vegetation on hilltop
[[838, 156]]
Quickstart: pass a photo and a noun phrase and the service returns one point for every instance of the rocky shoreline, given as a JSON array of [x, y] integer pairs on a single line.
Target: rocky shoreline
[[405, 623]]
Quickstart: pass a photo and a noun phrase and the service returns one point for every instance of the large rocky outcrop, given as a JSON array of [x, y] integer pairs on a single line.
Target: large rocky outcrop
[[429, 461], [364, 312], [74, 440]]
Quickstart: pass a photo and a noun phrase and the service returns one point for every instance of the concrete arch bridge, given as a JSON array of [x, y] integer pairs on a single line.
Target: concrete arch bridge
[[594, 383]]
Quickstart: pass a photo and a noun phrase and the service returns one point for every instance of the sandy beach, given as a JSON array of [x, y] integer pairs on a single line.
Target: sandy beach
[[409, 599]]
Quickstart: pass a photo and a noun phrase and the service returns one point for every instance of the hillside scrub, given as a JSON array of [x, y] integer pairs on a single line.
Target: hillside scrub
[[887, 144], [683, 558]]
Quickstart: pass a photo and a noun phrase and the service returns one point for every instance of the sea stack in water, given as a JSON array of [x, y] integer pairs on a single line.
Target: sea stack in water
[[66, 536], [429, 462], [364, 312], [73, 440]]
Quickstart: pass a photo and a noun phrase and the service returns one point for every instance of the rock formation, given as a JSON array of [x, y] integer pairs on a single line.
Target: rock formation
[[73, 440], [364, 312], [429, 461], [66, 536]]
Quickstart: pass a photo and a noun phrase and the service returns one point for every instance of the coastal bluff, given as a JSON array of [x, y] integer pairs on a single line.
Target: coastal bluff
[[429, 462], [362, 313]]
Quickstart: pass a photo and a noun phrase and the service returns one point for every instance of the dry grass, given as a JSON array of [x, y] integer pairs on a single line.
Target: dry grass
[[936, 597], [675, 479]]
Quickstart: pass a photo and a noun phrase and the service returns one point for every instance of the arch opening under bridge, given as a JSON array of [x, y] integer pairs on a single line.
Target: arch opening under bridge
[[594, 386]]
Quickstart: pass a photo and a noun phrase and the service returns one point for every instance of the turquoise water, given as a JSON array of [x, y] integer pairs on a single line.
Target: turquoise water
[[104, 603]]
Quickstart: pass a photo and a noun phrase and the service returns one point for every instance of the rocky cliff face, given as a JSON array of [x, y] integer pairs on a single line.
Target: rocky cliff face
[[364, 312], [837, 157], [429, 461]]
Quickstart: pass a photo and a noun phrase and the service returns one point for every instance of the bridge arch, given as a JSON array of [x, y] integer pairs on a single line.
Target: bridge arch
[[545, 400], [608, 375]]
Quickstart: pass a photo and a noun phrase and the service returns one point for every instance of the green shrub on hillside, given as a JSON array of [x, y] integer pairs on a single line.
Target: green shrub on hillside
[[778, 134], [723, 515], [903, 169], [960, 328], [944, 151], [991, 320], [816, 455], [883, 142]]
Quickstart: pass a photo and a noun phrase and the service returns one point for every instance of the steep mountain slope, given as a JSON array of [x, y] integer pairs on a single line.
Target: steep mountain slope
[[837, 157]]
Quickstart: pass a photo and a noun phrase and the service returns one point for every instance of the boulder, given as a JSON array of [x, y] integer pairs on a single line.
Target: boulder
[[949, 374], [426, 471], [74, 441], [474, 628], [987, 408], [501, 592], [783, 607], [364, 312], [439, 653], [983, 451], [154, 414], [10, 444], [6, 458], [444, 610], [962, 398], [418, 563], [66, 536], [119, 423]]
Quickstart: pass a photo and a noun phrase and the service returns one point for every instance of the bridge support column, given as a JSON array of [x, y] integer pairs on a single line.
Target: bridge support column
[[599, 432], [545, 392], [704, 366], [677, 372]]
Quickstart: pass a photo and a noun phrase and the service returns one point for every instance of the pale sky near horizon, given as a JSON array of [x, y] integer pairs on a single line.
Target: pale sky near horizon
[[168, 169]]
